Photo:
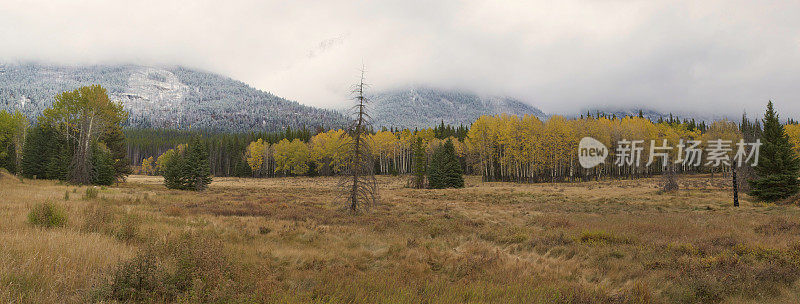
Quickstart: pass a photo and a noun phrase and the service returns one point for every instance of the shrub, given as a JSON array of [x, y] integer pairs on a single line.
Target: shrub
[[669, 183], [102, 218], [47, 215], [141, 279], [91, 193], [190, 268], [128, 228], [98, 218], [601, 237]]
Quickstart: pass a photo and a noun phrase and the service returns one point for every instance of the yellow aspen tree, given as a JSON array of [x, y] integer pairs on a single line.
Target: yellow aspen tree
[[383, 146], [481, 141], [405, 154], [793, 131], [561, 144], [256, 155], [291, 157], [148, 166], [721, 130], [327, 150], [531, 131]]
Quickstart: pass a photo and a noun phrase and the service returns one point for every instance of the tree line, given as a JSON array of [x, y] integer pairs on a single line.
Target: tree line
[[79, 139], [225, 150], [526, 149], [499, 147], [301, 151]]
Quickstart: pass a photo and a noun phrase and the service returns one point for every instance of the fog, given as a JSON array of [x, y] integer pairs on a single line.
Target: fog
[[713, 57]]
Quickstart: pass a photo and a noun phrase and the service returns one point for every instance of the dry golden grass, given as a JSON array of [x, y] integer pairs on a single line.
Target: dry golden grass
[[289, 240]]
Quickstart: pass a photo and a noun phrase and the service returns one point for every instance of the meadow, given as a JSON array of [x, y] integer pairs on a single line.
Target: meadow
[[289, 240]]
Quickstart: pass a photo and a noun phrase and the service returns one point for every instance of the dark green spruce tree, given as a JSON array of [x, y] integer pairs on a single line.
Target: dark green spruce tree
[[173, 171], [9, 161], [114, 140], [188, 169], [45, 154], [778, 166], [34, 160], [103, 169], [420, 164], [241, 169], [445, 169], [196, 171]]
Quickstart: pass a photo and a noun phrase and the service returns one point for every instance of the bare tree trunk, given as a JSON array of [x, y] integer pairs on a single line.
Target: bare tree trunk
[[81, 161], [360, 179], [19, 141], [735, 188]]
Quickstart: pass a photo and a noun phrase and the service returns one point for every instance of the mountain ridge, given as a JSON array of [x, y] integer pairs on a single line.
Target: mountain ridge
[[163, 97], [423, 106], [183, 98]]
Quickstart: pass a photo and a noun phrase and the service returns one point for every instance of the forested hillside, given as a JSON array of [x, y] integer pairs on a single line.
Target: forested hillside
[[652, 114], [422, 107], [173, 97]]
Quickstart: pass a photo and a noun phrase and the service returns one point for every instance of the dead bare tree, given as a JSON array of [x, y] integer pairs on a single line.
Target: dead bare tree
[[669, 182], [358, 178]]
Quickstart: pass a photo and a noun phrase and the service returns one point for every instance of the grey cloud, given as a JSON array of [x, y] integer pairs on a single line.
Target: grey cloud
[[563, 56]]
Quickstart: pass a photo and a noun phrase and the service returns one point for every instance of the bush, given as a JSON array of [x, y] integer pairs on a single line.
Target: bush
[[128, 228], [98, 218], [91, 193], [102, 218], [190, 268], [142, 279], [47, 215]]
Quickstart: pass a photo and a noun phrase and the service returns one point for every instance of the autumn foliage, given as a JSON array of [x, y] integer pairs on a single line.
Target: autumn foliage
[[503, 148]]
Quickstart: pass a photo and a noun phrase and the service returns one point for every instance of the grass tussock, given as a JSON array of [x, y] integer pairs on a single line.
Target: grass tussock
[[47, 215], [104, 218], [777, 226], [601, 237], [91, 193]]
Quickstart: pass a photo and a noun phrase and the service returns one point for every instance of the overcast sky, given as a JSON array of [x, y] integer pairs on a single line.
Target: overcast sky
[[561, 56]]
